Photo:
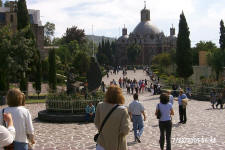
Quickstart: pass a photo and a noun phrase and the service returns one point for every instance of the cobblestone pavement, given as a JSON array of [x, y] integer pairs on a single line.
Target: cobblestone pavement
[[205, 128]]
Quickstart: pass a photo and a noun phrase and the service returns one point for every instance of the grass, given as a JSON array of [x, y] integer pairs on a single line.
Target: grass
[[33, 101]]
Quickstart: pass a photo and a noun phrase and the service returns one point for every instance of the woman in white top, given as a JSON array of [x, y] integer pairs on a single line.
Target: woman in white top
[[165, 124], [21, 118], [7, 135]]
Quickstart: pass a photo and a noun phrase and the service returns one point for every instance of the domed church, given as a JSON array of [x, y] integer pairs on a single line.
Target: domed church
[[151, 40]]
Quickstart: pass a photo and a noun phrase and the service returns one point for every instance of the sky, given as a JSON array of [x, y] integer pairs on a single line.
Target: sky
[[109, 16]]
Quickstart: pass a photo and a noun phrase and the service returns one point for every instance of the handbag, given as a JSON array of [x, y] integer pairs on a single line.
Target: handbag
[[184, 102], [11, 146], [158, 115], [103, 123]]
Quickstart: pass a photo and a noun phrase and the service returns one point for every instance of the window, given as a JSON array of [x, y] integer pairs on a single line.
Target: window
[[2, 17]]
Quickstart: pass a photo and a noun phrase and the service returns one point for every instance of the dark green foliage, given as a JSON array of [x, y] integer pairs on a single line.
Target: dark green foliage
[[45, 69], [201, 46], [4, 84], [49, 30], [133, 52], [22, 15], [23, 82], [222, 36], [183, 53], [106, 52], [81, 63], [38, 78], [74, 34], [52, 70], [216, 59], [94, 75], [0, 3], [6, 4]]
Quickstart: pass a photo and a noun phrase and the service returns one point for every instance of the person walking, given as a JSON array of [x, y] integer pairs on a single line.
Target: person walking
[[116, 128], [136, 110], [165, 125], [213, 97]]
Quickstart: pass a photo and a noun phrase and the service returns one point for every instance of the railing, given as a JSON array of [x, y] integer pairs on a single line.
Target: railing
[[197, 91], [69, 106]]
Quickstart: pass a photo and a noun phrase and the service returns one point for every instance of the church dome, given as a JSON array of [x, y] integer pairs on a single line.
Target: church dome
[[145, 27]]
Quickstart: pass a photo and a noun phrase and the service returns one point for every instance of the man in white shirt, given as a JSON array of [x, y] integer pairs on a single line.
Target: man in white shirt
[[135, 110], [7, 135]]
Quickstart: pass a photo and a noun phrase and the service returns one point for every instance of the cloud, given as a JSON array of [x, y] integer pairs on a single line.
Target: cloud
[[108, 16]]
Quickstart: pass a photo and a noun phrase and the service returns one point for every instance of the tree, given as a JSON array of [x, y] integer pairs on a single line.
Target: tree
[[22, 15], [202, 46], [38, 78], [133, 52], [0, 3], [216, 61], [183, 53], [74, 34], [49, 31], [5, 59], [222, 36], [81, 62], [6, 4], [52, 70]]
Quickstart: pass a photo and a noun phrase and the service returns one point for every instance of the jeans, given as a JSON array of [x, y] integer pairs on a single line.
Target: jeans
[[20, 146], [90, 117], [165, 126], [138, 125], [182, 113]]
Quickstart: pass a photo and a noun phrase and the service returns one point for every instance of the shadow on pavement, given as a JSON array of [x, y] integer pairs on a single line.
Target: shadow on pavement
[[131, 143]]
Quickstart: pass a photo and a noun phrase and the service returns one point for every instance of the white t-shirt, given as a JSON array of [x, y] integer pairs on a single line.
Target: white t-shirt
[[22, 122]]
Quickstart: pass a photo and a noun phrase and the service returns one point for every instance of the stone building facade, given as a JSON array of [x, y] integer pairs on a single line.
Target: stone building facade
[[151, 40], [8, 16]]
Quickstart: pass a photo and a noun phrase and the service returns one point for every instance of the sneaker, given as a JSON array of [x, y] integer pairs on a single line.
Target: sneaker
[[138, 140]]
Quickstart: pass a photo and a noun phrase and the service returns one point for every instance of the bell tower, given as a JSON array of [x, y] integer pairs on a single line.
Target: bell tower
[[124, 30], [172, 31], [145, 14]]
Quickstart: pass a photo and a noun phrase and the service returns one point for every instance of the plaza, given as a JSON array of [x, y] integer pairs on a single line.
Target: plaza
[[204, 129]]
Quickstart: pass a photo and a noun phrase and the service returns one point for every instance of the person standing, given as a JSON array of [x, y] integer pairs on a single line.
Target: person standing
[[182, 109], [116, 128], [21, 118], [136, 110], [165, 124], [170, 97]]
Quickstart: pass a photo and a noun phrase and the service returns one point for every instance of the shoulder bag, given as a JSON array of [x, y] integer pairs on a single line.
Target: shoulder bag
[[103, 123], [11, 146]]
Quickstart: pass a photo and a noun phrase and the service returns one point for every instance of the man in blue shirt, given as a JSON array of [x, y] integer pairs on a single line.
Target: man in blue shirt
[[90, 112], [182, 110]]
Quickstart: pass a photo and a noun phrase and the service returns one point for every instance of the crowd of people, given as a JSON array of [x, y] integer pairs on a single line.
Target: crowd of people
[[16, 128], [113, 131]]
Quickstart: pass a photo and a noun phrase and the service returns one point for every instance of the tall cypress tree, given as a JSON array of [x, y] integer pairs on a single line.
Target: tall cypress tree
[[0, 3], [38, 77], [183, 52], [52, 70], [22, 15], [222, 36]]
